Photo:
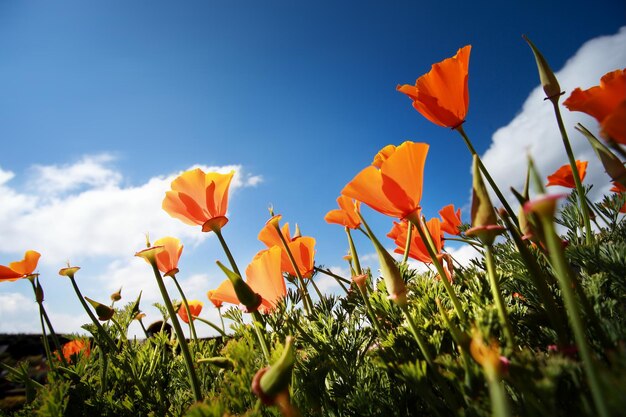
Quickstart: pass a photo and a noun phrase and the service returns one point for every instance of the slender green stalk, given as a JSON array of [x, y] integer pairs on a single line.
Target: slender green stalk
[[423, 345], [193, 378], [192, 328], [306, 298], [103, 333], [317, 290], [205, 321], [257, 322], [103, 372], [565, 281], [582, 200], [370, 312], [340, 280], [229, 255], [219, 311], [144, 329], [540, 281], [407, 246], [497, 296], [430, 247], [46, 344], [353, 253], [499, 402], [467, 241], [44, 314], [490, 180], [460, 339]]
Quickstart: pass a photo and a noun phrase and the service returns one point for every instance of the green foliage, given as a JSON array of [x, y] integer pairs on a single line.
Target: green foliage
[[345, 367]]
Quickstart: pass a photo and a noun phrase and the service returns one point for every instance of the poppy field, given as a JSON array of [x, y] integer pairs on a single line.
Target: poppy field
[[535, 326]]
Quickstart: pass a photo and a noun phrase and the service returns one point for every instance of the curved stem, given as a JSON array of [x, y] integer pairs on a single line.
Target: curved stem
[[418, 338], [490, 180], [193, 378], [306, 299], [427, 239], [407, 247], [497, 296], [582, 199], [192, 328], [205, 321], [103, 333], [566, 283], [229, 255], [257, 322]]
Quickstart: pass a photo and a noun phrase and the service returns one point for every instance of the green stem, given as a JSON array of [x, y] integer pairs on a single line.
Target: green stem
[[497, 296], [317, 290], [582, 201], [353, 254], [219, 311], [426, 238], [306, 299], [565, 281], [490, 180], [407, 246], [44, 314], [418, 338], [193, 378], [340, 280], [105, 336], [205, 321], [144, 329], [192, 328], [46, 344], [257, 322], [370, 312], [229, 255], [499, 402], [540, 280], [468, 241]]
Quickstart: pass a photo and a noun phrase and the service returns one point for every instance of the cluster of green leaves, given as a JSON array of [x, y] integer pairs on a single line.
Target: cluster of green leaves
[[345, 367]]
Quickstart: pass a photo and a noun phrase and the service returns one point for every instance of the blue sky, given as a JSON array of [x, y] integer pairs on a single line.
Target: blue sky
[[104, 102]]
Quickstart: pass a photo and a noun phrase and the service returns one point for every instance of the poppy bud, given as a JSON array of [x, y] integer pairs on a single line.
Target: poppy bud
[[38, 292], [548, 80], [360, 281], [269, 382], [69, 271], [484, 220], [544, 205], [117, 295], [245, 294], [391, 273], [104, 312]]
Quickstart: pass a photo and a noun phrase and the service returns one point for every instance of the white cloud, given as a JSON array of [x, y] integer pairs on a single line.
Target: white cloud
[[87, 212], [534, 129]]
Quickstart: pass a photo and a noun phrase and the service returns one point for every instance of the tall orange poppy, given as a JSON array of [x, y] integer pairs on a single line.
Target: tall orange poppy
[[195, 307], [20, 269], [606, 102], [395, 188], [199, 198], [167, 260], [302, 247], [264, 276], [347, 215], [565, 177], [451, 220], [442, 95], [417, 248]]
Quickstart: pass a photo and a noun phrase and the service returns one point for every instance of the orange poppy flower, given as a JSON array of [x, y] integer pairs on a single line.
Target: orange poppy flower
[[264, 276], [451, 220], [394, 189], [564, 176], [302, 247], [167, 259], [417, 250], [606, 102], [20, 269], [442, 95], [75, 347], [217, 303], [195, 307], [347, 214], [618, 188], [199, 198]]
